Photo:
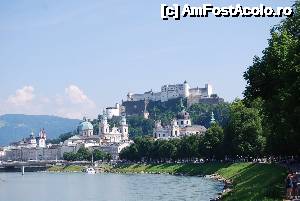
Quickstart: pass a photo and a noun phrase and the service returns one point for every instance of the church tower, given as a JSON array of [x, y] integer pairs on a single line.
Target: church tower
[[42, 138], [186, 89], [124, 128], [212, 119], [174, 128], [104, 126]]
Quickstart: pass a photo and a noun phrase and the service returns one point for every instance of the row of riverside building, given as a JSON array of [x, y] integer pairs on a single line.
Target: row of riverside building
[[109, 139]]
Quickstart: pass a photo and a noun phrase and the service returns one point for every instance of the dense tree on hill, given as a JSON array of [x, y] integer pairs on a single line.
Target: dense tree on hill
[[275, 79], [138, 126], [201, 113]]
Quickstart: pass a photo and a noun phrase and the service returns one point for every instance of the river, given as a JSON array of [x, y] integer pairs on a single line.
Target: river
[[46, 186]]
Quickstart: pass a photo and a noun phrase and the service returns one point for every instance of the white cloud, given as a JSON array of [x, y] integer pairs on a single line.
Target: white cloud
[[74, 103], [22, 96], [75, 94]]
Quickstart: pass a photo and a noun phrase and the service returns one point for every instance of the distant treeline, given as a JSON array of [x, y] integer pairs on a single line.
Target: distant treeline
[[83, 154]]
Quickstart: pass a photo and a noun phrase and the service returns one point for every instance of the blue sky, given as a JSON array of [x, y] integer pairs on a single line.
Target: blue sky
[[73, 58]]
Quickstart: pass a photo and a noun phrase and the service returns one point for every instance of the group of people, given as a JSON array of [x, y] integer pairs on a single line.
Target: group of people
[[292, 191]]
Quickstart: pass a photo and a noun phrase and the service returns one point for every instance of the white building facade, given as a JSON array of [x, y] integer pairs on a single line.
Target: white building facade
[[113, 111], [113, 134], [179, 127]]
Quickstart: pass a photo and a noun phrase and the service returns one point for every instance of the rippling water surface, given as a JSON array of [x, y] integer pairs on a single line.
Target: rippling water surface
[[104, 187]]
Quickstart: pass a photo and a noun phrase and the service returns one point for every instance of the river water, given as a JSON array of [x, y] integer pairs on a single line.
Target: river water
[[41, 186]]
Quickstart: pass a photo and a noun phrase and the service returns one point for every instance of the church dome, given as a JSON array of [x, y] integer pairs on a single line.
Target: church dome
[[85, 126]]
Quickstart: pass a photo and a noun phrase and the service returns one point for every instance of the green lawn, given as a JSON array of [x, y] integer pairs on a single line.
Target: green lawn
[[68, 168], [251, 181], [188, 169], [255, 181]]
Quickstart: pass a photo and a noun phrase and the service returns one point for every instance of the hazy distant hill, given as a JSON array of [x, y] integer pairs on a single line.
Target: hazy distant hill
[[14, 127]]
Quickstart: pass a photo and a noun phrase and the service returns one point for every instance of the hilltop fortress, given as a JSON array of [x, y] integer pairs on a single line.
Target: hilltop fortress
[[173, 91], [136, 104]]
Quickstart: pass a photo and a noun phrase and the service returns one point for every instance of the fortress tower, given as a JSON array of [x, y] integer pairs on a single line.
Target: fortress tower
[[186, 89]]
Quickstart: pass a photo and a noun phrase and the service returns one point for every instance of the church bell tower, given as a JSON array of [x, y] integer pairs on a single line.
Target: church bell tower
[[124, 128]]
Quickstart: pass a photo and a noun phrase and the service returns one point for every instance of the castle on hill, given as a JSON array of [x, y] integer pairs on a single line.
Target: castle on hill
[[136, 104], [172, 91]]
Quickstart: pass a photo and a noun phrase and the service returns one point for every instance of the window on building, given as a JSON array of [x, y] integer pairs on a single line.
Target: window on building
[[163, 135], [181, 122]]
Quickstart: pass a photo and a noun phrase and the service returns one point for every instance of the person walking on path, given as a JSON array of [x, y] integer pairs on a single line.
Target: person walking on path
[[295, 185], [289, 186]]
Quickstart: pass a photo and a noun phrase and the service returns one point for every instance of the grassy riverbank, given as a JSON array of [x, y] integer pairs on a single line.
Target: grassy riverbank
[[78, 168], [251, 181], [68, 168]]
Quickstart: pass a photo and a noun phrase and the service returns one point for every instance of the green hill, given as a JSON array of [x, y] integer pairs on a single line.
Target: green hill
[[14, 127]]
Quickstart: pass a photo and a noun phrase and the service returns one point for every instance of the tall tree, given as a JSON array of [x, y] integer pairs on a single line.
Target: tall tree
[[243, 135], [275, 79], [213, 142]]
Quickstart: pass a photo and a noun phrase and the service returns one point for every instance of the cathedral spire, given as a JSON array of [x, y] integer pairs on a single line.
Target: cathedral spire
[[181, 105], [212, 119], [104, 117], [123, 120]]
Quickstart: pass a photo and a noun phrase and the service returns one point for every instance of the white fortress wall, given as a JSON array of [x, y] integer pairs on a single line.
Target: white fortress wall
[[172, 91]]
